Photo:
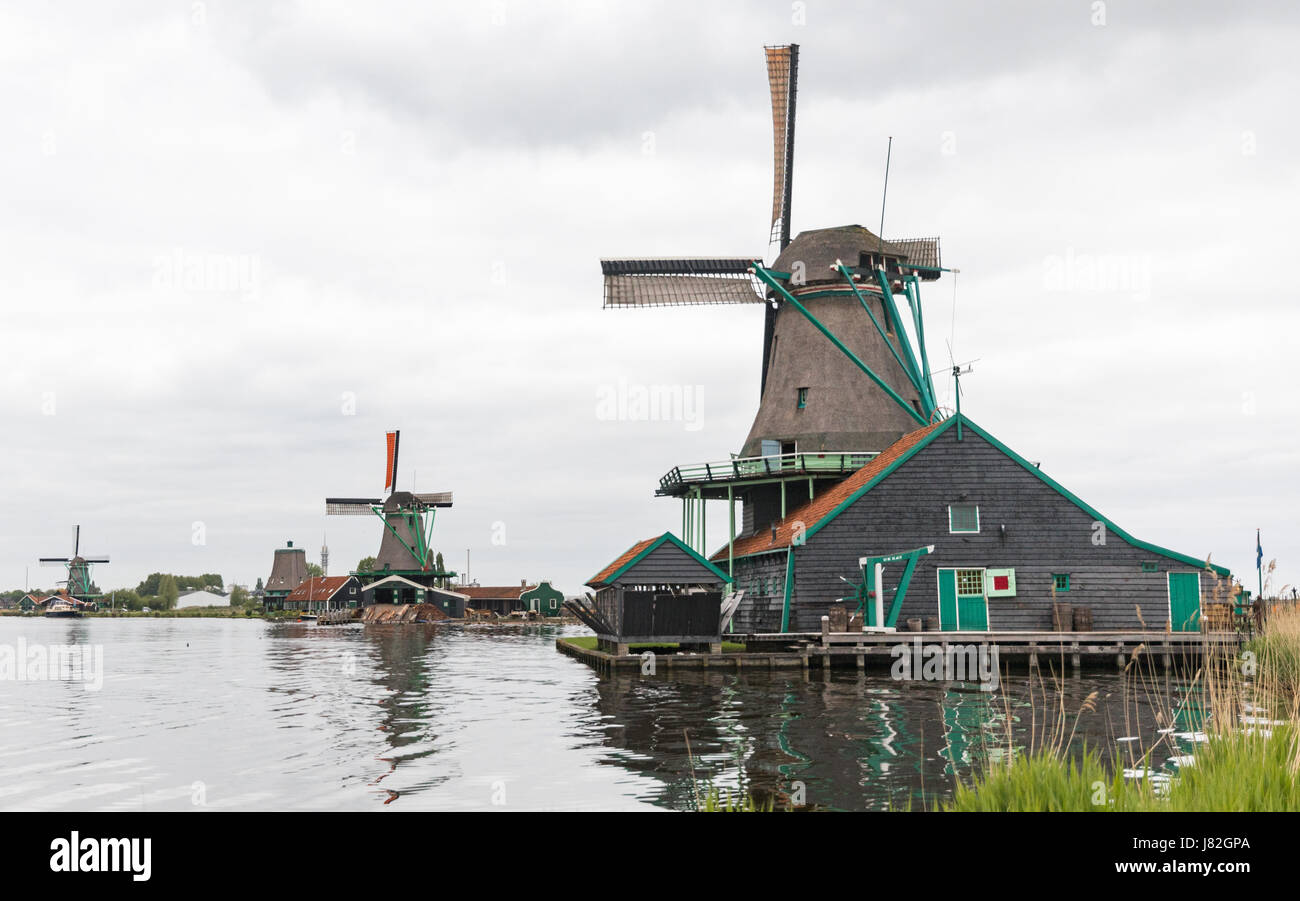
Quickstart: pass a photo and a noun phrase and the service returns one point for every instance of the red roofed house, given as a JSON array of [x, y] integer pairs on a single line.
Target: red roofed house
[[321, 593]]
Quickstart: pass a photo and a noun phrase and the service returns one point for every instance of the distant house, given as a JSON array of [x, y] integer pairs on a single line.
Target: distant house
[[38, 602], [503, 600], [543, 599], [401, 590], [30, 602], [321, 593], [201, 598]]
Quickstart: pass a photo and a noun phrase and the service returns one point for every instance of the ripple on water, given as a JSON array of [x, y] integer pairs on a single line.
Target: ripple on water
[[246, 715]]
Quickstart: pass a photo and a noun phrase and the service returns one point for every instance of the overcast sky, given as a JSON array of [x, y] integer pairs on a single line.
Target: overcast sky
[[239, 241]]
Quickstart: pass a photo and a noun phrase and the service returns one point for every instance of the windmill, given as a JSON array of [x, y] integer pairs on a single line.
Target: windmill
[[404, 549], [78, 565], [861, 389], [844, 367]]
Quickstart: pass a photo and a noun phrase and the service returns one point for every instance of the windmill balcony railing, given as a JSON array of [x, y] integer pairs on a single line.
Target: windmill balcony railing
[[773, 466]]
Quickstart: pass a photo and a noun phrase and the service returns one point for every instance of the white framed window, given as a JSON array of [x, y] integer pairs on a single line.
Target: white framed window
[[963, 518]]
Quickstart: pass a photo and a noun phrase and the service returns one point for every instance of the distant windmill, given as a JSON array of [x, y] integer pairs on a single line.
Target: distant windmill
[[78, 565], [405, 548], [831, 283]]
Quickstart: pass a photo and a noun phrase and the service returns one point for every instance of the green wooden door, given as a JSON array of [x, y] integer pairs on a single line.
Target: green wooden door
[[948, 600], [962, 602], [972, 607], [1185, 602]]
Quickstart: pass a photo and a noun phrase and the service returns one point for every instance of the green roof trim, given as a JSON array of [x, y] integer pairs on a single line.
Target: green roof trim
[[1092, 511], [1028, 467], [665, 538]]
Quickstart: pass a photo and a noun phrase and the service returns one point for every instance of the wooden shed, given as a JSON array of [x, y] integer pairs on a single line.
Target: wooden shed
[[657, 591]]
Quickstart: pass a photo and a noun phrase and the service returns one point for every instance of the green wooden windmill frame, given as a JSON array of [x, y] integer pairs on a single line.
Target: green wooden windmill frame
[[774, 281], [423, 534]]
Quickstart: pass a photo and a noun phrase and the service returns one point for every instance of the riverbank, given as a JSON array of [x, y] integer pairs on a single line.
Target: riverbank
[[1243, 714], [183, 613]]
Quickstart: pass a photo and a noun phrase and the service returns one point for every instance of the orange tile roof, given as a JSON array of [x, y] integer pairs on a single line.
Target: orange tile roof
[[318, 588], [817, 509], [480, 592], [600, 577]]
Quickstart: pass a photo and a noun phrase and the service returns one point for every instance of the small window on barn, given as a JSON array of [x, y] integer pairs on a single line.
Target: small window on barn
[[803, 398], [1061, 581], [1149, 566], [964, 518]]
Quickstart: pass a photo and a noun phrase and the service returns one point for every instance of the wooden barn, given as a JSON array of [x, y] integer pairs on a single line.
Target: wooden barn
[[401, 590], [969, 536], [657, 591]]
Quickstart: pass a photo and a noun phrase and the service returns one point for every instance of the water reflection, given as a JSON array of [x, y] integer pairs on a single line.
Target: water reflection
[[854, 741], [450, 717]]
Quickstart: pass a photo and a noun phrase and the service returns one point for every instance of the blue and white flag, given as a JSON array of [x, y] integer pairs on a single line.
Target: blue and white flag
[[1259, 551]]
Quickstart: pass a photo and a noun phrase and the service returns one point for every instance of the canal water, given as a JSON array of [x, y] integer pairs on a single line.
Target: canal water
[[242, 714]]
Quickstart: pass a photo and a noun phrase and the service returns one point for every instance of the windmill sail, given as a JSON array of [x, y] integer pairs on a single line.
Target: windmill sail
[[351, 506], [680, 281], [390, 472], [922, 253], [434, 498], [782, 75]]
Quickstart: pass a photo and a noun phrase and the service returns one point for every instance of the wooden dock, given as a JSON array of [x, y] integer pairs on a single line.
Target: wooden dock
[[337, 617], [805, 650]]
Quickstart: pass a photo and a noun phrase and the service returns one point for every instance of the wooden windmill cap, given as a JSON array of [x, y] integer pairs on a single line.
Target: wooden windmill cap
[[818, 250]]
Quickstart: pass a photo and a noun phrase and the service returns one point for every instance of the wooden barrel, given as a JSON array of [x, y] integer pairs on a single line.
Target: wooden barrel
[[932, 624], [914, 624], [1083, 619], [1062, 617]]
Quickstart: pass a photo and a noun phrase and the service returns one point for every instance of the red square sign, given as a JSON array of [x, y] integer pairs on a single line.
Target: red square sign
[[1001, 583]]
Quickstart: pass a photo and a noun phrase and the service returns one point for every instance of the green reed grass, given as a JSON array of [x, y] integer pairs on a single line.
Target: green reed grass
[[1250, 760]]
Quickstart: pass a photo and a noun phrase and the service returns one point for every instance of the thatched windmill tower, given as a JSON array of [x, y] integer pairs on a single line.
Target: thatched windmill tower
[[288, 571], [844, 367]]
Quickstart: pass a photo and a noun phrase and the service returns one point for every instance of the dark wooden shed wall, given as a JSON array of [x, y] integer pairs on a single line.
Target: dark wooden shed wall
[[1045, 533]]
